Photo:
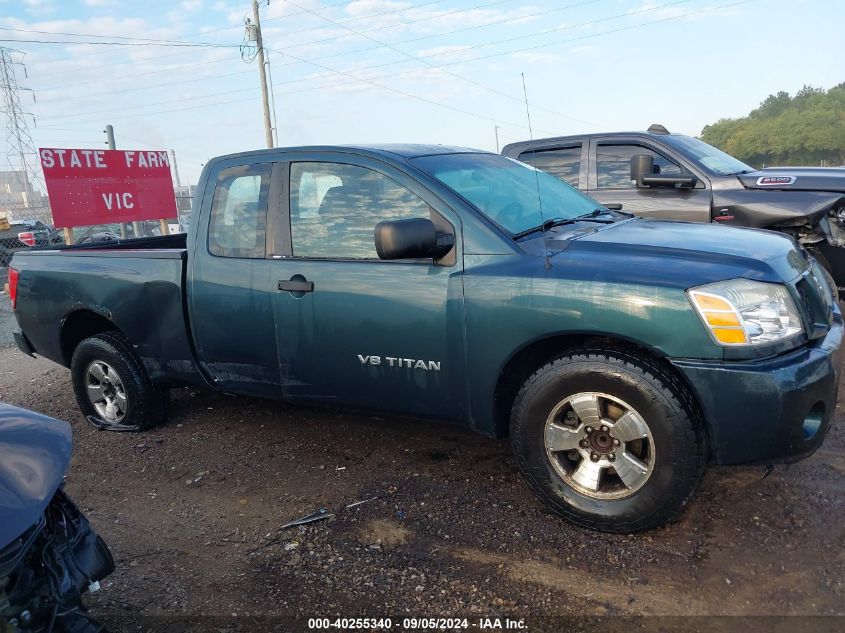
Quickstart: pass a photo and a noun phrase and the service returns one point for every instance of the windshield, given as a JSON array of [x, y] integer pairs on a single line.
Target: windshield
[[712, 159], [508, 192]]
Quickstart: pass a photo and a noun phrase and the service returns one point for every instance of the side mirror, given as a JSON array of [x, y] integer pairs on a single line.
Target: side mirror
[[642, 172], [416, 238], [642, 165]]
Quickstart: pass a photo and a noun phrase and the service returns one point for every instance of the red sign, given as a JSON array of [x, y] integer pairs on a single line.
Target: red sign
[[103, 186]]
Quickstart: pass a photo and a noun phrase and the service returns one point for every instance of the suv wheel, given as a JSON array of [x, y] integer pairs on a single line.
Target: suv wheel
[[112, 388], [608, 439]]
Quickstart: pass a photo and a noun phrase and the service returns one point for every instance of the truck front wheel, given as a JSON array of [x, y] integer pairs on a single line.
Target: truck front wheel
[[608, 439], [112, 388]]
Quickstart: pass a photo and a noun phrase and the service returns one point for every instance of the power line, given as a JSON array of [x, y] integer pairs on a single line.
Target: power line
[[357, 18], [354, 32], [448, 72], [589, 36], [482, 45], [567, 27], [112, 37], [168, 84], [145, 105], [99, 67], [174, 44], [404, 23], [339, 23], [424, 19], [354, 80], [381, 45], [157, 71], [373, 81], [232, 28]]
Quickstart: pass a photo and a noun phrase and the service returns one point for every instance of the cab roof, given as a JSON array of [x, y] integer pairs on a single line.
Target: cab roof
[[393, 150]]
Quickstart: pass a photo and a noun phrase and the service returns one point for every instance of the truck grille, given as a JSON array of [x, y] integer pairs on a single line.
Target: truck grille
[[806, 301], [816, 299]]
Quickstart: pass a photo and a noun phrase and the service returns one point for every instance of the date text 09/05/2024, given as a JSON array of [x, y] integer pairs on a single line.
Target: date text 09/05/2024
[[411, 624]]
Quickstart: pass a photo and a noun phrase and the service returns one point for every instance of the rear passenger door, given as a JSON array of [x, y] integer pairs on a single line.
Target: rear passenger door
[[610, 182], [354, 330], [230, 297]]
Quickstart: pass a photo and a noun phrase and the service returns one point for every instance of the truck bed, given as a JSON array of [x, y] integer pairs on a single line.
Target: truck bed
[[133, 286]]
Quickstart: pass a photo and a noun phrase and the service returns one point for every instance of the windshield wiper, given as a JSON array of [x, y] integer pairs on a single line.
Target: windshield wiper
[[592, 216]]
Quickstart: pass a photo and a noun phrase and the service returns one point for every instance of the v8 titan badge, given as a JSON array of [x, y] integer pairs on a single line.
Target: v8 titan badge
[[395, 361]]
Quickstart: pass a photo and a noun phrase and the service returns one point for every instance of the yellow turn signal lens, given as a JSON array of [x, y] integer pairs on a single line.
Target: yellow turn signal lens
[[709, 302], [731, 337], [722, 319]]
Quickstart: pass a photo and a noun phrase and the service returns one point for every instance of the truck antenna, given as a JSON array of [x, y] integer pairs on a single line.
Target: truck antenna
[[536, 171]]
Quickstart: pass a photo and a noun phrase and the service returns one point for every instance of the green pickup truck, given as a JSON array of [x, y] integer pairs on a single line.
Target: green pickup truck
[[619, 354]]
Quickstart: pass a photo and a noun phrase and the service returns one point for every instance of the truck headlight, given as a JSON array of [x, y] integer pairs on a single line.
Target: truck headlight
[[745, 312]]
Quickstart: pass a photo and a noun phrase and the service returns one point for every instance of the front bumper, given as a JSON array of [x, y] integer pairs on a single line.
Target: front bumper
[[776, 409]]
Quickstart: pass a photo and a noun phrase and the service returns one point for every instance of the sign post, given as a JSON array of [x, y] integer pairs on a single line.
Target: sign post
[[99, 186]]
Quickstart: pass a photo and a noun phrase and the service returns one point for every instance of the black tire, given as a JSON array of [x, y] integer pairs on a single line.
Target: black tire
[[679, 440], [147, 404]]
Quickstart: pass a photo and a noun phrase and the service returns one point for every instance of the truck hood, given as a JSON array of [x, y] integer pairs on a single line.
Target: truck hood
[[796, 179], [682, 254], [34, 455]]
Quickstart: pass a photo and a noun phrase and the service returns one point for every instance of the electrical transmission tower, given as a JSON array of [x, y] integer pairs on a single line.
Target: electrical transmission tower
[[22, 198]]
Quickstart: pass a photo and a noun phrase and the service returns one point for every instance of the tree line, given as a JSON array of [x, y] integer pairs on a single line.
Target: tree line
[[805, 129]]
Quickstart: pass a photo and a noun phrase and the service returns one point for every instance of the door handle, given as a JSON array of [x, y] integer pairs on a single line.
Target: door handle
[[296, 285]]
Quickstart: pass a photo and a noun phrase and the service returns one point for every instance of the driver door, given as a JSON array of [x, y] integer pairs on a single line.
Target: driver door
[[610, 182], [354, 330]]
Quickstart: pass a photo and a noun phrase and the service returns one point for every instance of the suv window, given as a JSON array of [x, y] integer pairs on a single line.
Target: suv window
[[563, 163], [334, 209], [613, 165], [238, 223]]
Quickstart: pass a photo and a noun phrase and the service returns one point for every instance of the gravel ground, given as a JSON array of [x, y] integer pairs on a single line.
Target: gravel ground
[[192, 512]]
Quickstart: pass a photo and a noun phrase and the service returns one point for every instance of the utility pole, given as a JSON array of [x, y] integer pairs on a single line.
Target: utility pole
[[496, 131], [110, 137], [175, 167], [110, 143], [178, 194], [272, 102], [265, 100]]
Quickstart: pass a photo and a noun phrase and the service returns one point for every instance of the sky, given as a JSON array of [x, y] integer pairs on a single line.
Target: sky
[[376, 71]]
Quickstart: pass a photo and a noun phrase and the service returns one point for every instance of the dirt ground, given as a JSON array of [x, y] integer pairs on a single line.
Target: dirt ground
[[192, 512]]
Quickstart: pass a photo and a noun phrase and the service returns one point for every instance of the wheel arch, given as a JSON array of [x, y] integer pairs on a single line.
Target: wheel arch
[[536, 353], [79, 325]]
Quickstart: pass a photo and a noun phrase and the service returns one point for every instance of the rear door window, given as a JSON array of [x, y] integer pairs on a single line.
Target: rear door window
[[563, 163], [238, 225]]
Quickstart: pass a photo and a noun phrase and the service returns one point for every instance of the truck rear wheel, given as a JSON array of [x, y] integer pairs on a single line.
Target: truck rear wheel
[[608, 439], [112, 388]]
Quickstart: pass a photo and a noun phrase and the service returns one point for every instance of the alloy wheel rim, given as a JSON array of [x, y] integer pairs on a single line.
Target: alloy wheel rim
[[106, 391], [599, 445]]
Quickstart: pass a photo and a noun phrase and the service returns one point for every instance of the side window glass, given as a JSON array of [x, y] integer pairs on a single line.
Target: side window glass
[[239, 212], [563, 163], [613, 165], [334, 209]]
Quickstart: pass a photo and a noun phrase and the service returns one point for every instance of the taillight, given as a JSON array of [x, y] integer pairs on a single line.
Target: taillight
[[14, 275], [27, 237]]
